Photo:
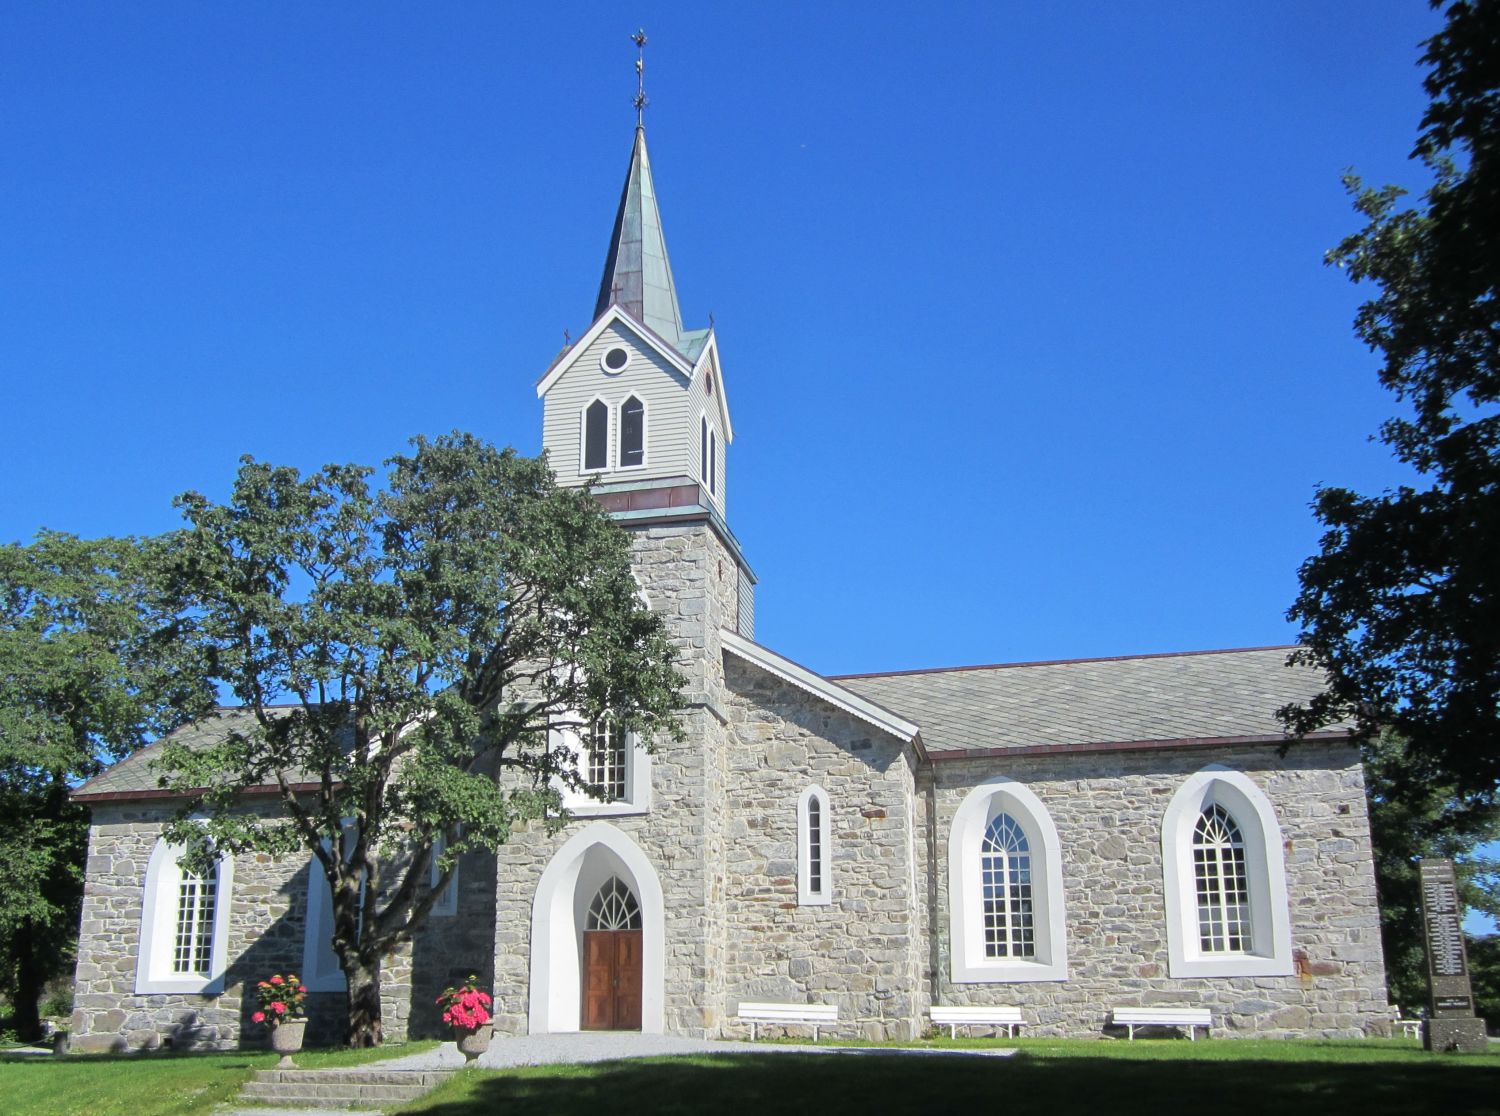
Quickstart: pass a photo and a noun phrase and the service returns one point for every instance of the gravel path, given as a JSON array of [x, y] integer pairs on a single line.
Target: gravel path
[[603, 1046]]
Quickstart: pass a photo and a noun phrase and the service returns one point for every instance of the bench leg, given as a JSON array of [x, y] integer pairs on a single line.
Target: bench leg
[[953, 1030], [752, 1031], [815, 1032], [1192, 1033], [1130, 1031]]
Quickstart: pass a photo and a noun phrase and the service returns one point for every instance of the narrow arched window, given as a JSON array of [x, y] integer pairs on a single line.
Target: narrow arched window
[[814, 848], [703, 449], [713, 462], [632, 433], [1005, 877], [1221, 882], [197, 901], [607, 758], [614, 908], [596, 436]]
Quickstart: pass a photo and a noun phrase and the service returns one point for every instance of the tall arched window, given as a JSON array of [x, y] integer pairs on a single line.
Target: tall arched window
[[632, 433], [1221, 884], [1005, 895], [814, 849], [1005, 874], [1224, 879], [596, 436], [184, 925]]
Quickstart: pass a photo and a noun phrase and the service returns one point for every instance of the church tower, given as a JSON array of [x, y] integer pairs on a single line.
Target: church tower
[[637, 407]]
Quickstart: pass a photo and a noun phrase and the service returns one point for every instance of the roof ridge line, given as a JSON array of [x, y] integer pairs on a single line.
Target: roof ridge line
[[1064, 662]]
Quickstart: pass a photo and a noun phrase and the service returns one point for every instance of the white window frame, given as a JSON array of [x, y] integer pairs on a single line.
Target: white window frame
[[153, 972], [583, 437], [446, 904], [968, 961], [637, 798], [619, 417], [1270, 952], [806, 896], [321, 971]]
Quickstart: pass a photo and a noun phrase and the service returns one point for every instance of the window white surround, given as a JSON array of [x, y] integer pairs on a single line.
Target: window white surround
[[623, 439], [559, 914], [969, 962], [814, 849], [614, 360], [320, 965], [160, 906], [637, 796], [1270, 947]]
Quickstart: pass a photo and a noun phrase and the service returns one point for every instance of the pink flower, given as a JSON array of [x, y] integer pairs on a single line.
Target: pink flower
[[278, 1007], [262, 984], [258, 1017], [277, 980]]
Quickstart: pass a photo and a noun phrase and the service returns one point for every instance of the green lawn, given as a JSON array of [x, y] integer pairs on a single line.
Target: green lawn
[[158, 1084], [1054, 1077]]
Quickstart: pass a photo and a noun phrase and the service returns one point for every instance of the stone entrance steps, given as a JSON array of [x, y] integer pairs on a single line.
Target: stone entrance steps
[[340, 1088]]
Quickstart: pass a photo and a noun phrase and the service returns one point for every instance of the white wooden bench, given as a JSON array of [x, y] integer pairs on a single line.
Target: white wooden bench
[[997, 1016], [1131, 1018], [1411, 1028], [812, 1015]]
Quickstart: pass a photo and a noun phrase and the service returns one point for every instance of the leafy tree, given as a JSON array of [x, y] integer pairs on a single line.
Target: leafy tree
[[1484, 978], [427, 635], [1402, 604], [86, 677], [1412, 818]]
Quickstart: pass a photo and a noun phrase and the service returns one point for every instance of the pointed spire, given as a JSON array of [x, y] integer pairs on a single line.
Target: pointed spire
[[637, 274]]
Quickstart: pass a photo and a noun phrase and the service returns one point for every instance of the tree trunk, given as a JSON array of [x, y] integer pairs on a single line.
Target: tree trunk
[[363, 977], [31, 980]]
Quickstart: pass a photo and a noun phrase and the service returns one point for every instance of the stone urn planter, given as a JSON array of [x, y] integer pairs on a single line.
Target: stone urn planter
[[473, 1043], [286, 1040]]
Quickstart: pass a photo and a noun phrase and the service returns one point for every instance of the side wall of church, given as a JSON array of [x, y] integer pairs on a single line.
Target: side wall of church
[[1108, 810], [861, 951]]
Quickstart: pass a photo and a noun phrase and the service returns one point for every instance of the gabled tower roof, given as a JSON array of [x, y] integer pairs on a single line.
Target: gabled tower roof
[[636, 272]]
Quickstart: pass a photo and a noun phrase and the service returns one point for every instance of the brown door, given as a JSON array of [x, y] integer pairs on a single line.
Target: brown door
[[612, 980]]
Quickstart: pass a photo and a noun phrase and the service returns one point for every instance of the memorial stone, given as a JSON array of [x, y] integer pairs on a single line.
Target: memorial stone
[[1451, 1023]]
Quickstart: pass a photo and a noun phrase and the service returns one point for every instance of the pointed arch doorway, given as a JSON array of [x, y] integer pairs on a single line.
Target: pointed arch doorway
[[612, 960], [598, 938]]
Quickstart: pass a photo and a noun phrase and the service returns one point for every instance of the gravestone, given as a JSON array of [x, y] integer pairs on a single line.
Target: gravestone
[[1451, 1023]]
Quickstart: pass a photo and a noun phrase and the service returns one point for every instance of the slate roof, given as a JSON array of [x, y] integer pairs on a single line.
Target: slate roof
[[134, 777], [1209, 695]]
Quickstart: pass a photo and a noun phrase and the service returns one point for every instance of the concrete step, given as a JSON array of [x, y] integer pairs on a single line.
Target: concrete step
[[341, 1088]]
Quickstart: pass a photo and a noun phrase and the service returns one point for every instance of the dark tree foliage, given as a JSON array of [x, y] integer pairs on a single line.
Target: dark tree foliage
[[1401, 605], [86, 676], [1411, 819], [427, 635], [1484, 978]]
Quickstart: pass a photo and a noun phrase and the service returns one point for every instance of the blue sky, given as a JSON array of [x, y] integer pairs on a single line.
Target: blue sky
[[1021, 307]]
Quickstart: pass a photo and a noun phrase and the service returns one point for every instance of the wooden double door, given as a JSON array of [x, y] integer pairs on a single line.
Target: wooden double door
[[611, 980]]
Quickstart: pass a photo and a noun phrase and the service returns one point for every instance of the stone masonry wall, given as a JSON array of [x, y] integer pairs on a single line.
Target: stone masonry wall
[[1108, 810], [267, 929], [862, 951]]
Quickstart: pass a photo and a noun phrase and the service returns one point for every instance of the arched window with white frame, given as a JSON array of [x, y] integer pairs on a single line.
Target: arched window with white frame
[[814, 848], [1006, 917], [184, 925], [632, 433], [1224, 879]]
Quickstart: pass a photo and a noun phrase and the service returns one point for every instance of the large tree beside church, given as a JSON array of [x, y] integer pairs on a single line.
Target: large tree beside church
[[1401, 606], [87, 676], [392, 650]]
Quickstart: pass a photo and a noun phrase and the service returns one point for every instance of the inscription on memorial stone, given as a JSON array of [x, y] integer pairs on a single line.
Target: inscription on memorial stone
[[1451, 1024]]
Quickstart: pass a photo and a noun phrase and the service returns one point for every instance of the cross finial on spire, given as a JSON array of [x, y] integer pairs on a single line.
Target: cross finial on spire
[[639, 39]]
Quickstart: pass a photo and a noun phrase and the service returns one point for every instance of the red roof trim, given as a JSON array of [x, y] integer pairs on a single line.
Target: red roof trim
[[1063, 662], [1134, 745]]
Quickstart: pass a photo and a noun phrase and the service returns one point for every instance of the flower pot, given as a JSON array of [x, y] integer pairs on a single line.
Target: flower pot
[[286, 1040], [473, 1043]]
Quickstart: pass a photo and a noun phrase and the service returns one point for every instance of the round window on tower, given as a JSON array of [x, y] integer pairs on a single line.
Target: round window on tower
[[614, 360]]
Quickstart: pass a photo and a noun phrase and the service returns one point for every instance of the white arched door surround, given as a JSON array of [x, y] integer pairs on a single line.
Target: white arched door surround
[[571, 879]]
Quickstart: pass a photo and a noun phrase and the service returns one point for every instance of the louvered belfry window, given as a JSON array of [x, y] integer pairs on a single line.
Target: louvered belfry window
[[632, 432], [1221, 882], [1005, 872], [607, 758]]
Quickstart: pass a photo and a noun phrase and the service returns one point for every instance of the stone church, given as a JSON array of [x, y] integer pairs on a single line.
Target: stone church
[[1065, 838]]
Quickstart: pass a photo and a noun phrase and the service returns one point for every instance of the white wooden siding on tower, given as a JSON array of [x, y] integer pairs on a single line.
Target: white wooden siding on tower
[[650, 378]]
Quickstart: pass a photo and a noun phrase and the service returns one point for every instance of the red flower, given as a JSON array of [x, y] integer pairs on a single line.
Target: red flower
[[258, 1017], [277, 980], [278, 1007], [262, 984]]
